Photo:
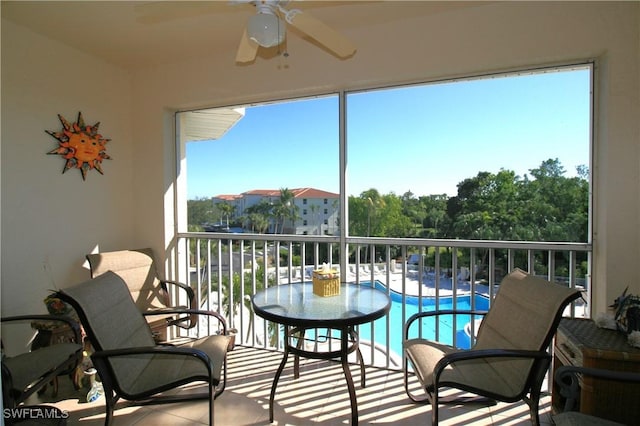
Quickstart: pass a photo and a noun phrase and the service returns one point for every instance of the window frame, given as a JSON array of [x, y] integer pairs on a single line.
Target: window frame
[[180, 204]]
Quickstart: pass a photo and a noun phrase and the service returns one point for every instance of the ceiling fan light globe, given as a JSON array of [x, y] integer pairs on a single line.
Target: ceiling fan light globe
[[266, 29]]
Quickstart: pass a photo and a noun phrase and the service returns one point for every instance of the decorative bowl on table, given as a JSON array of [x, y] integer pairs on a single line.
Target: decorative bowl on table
[[326, 282]]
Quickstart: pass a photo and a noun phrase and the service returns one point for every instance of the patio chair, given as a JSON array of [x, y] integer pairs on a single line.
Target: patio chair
[[568, 378], [129, 362], [509, 359], [138, 270], [24, 373]]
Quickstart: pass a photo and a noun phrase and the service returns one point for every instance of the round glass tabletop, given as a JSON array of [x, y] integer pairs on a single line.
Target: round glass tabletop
[[296, 305]]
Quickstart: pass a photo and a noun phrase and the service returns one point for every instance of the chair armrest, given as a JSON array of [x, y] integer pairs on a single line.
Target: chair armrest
[[424, 314], [566, 377], [150, 350], [467, 355], [73, 324], [101, 359], [490, 353], [191, 296], [184, 322], [190, 312]]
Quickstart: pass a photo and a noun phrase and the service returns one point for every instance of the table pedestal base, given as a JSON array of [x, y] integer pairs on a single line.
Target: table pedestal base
[[348, 344]]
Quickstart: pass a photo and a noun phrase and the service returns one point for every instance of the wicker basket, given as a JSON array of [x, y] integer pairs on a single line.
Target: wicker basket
[[326, 283]]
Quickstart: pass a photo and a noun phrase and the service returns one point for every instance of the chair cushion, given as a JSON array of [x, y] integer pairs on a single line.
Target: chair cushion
[[530, 306], [110, 313], [472, 374], [114, 321], [166, 369], [29, 367], [137, 269]]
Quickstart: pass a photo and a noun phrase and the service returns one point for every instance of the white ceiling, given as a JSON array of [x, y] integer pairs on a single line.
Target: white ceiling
[[134, 34]]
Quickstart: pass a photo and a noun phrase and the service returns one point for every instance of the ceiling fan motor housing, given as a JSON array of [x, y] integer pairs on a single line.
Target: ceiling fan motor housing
[[265, 27]]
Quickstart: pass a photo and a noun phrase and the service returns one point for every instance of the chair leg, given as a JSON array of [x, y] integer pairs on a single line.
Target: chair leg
[[434, 407], [220, 389], [211, 404], [412, 397], [108, 414], [110, 399], [536, 390], [534, 404]]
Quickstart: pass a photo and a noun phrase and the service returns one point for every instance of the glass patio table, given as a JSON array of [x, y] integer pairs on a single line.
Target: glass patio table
[[299, 310]]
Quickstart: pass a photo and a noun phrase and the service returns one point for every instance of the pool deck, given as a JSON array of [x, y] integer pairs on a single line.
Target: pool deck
[[409, 282], [412, 285]]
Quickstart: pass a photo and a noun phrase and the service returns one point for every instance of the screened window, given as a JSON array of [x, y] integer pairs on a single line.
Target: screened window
[[246, 152], [504, 157], [500, 157]]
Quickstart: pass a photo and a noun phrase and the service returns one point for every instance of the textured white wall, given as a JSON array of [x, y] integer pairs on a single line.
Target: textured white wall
[[51, 220]]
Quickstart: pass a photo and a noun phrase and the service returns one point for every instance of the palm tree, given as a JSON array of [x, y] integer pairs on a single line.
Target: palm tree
[[259, 222], [285, 207], [226, 209], [258, 215], [374, 202], [292, 214]]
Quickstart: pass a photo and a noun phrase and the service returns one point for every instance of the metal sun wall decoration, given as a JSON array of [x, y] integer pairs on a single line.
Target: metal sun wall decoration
[[81, 145]]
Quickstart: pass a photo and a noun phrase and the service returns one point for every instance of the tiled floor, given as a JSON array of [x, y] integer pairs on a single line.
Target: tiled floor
[[319, 396]]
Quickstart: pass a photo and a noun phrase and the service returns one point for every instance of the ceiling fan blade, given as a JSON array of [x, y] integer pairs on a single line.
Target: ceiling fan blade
[[247, 50], [323, 34]]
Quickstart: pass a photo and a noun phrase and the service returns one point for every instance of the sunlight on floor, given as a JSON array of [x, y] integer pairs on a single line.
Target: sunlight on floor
[[319, 396]]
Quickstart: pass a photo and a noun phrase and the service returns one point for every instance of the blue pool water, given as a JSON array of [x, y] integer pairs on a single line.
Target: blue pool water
[[444, 332], [446, 325]]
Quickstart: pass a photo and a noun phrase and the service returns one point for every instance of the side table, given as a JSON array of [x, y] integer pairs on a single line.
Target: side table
[[579, 342]]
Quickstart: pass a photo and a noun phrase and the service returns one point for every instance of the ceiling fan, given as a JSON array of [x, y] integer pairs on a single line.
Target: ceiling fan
[[267, 28]]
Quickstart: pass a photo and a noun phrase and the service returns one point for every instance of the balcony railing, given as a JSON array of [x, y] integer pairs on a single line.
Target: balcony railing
[[419, 274]]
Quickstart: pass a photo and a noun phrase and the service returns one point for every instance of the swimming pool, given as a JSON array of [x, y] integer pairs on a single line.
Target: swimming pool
[[411, 305], [446, 325]]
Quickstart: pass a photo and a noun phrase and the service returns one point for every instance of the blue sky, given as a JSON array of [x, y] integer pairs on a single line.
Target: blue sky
[[423, 138]]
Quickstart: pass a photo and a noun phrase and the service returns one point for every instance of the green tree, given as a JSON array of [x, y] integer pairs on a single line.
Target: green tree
[[558, 206], [284, 209], [374, 203], [546, 206], [226, 210], [258, 216], [259, 222], [435, 208], [392, 220], [414, 211], [358, 210], [200, 211]]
